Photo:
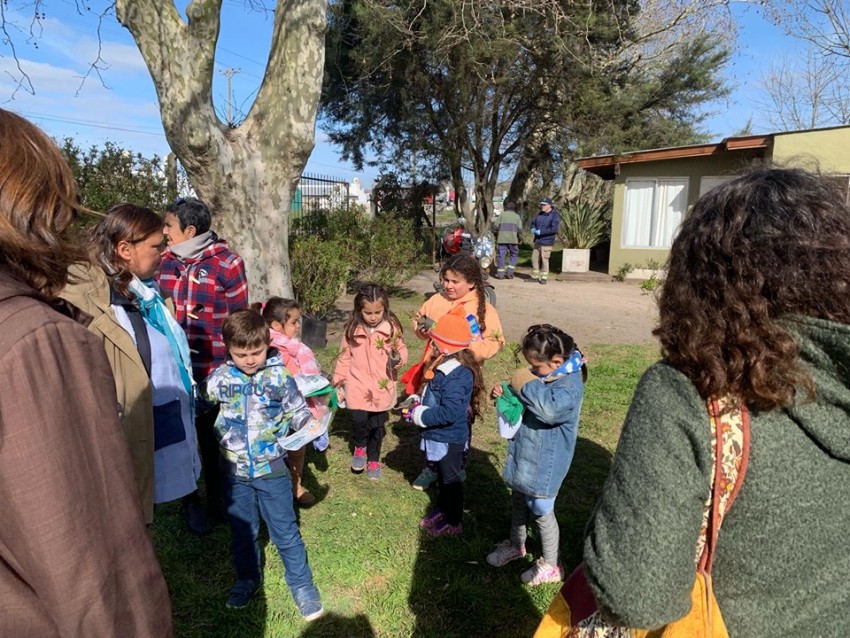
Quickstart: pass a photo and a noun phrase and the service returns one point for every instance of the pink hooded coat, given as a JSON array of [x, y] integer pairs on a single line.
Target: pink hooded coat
[[361, 369]]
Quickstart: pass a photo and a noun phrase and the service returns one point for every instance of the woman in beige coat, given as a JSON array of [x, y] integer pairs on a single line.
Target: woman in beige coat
[[143, 345]]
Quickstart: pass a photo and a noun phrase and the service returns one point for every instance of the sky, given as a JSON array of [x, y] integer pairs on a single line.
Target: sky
[[121, 106]]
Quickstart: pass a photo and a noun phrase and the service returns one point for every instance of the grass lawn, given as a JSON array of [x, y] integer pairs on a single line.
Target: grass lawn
[[377, 574]]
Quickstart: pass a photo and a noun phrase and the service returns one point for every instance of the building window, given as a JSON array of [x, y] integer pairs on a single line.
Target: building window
[[653, 211]]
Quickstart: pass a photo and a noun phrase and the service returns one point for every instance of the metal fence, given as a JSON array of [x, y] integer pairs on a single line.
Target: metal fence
[[315, 192]]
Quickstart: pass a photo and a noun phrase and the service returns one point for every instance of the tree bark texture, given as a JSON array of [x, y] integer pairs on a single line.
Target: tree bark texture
[[245, 174]]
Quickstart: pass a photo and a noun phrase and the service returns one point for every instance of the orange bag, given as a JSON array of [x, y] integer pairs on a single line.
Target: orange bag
[[573, 612]]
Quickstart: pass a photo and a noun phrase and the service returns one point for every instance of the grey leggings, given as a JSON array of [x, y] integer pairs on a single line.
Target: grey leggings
[[547, 525]]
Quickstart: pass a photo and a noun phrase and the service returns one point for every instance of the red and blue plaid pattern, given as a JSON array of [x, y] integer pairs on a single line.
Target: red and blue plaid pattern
[[205, 290]]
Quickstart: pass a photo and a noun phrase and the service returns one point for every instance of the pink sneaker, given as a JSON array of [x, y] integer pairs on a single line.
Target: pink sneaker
[[431, 519], [373, 470], [504, 554], [358, 460], [445, 529], [542, 572]]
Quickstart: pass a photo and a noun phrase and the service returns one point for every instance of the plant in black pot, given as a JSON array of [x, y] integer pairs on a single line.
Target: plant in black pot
[[319, 274]]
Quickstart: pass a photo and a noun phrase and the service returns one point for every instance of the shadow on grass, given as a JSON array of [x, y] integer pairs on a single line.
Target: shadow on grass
[[199, 573], [454, 592], [577, 497], [336, 626], [396, 292]]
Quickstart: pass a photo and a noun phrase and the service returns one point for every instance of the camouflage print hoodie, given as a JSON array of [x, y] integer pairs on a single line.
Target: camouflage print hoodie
[[257, 412]]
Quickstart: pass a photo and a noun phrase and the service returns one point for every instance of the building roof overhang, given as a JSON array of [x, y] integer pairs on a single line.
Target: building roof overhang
[[608, 166]]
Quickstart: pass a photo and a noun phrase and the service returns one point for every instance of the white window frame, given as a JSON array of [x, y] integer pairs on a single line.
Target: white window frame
[[651, 219]]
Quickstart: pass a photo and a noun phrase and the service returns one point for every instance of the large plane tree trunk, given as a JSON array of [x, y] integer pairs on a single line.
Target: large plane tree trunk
[[246, 174]]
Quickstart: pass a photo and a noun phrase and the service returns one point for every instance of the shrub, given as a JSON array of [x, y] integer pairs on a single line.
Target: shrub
[[583, 224], [319, 273], [393, 252], [648, 285]]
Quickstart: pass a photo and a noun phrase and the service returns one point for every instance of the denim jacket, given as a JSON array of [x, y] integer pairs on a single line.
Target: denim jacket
[[446, 398], [540, 453]]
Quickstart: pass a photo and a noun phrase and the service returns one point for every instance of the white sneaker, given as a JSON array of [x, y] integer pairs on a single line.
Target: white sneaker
[[542, 572], [504, 554]]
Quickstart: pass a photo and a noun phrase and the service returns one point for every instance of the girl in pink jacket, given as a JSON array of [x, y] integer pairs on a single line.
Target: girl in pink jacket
[[284, 319], [371, 353]]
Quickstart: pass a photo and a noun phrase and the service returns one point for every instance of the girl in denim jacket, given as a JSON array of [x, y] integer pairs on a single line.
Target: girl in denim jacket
[[541, 451]]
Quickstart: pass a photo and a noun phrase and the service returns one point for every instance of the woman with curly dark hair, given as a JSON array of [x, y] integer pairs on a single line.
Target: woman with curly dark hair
[[463, 285], [755, 309]]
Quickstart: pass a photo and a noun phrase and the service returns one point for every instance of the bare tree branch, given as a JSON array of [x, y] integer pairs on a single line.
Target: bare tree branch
[[825, 24], [807, 93]]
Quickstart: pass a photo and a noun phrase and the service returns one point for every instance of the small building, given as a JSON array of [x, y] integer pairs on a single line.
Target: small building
[[654, 189]]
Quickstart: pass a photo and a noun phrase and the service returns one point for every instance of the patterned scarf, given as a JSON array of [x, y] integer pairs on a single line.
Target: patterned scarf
[[571, 365]]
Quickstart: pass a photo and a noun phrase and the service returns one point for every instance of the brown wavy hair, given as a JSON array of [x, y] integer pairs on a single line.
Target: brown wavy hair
[[123, 222], [38, 205], [467, 267], [772, 243]]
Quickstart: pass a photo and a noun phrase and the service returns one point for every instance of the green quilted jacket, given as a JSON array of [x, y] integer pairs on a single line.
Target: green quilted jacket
[[782, 566]]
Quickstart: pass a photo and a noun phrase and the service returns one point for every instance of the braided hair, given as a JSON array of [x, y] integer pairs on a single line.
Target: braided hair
[[467, 267], [543, 342]]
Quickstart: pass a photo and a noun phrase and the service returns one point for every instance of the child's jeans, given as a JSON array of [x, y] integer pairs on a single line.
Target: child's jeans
[[543, 511], [367, 430], [271, 498]]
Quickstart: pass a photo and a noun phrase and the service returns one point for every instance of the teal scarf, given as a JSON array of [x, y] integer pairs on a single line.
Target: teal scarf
[[153, 309]]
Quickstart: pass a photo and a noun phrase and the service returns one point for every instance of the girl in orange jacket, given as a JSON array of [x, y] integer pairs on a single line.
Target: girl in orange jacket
[[371, 353], [463, 285]]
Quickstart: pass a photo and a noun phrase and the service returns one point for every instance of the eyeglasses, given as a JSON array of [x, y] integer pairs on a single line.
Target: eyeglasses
[[178, 202]]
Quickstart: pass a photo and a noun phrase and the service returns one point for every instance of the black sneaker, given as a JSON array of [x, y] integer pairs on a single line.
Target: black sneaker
[[543, 282], [242, 593]]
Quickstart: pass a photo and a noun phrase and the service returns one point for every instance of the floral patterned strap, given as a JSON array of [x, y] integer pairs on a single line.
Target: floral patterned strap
[[730, 431]]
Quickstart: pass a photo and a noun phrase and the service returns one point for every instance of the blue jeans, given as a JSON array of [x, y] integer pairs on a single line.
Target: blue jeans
[[271, 498]]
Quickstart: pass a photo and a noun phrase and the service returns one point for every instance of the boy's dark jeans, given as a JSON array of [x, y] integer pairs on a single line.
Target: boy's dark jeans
[[271, 498]]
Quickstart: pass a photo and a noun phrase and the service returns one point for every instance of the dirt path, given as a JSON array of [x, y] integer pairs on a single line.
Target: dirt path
[[592, 307]]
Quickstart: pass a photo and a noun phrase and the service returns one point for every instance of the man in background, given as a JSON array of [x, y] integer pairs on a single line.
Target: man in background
[[509, 227]]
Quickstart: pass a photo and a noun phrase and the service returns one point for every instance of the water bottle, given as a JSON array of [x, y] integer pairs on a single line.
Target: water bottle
[[474, 328]]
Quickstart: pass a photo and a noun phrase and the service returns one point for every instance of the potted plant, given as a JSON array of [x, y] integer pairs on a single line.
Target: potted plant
[[319, 275], [583, 225]]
